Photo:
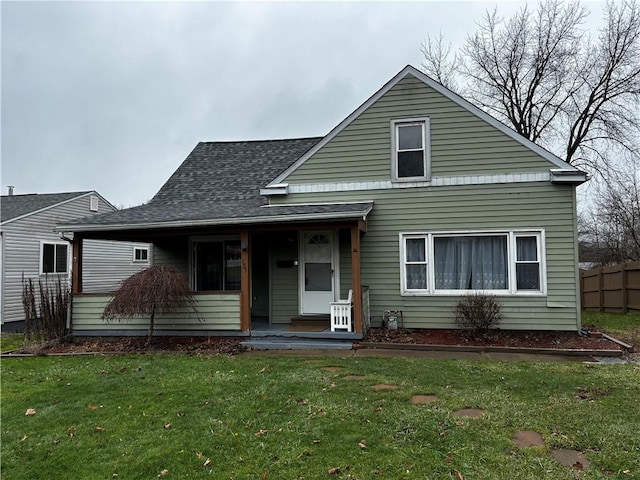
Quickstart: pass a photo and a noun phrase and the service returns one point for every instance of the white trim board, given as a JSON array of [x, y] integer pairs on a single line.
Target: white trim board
[[409, 70], [364, 185]]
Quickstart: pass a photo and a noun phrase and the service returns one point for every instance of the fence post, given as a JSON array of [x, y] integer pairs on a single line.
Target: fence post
[[600, 290], [625, 293]]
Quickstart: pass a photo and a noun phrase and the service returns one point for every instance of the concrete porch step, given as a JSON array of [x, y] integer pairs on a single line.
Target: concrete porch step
[[288, 343]]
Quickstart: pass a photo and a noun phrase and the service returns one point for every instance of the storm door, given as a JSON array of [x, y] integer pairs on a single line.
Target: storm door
[[317, 272]]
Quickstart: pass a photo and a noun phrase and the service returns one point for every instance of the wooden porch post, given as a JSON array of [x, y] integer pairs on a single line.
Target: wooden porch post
[[76, 264], [245, 288], [357, 283]]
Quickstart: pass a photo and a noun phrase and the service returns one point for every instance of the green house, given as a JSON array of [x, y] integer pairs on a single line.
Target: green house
[[415, 199]]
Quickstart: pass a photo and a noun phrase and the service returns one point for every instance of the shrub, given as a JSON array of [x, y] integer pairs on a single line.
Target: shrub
[[477, 313]]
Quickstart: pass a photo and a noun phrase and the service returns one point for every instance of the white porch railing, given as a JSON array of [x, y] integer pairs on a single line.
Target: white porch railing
[[341, 314]]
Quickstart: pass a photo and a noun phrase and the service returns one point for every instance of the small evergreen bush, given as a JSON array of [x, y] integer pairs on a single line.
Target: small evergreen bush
[[477, 313]]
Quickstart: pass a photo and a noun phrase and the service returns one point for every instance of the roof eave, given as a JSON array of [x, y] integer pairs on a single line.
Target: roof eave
[[218, 222], [570, 176]]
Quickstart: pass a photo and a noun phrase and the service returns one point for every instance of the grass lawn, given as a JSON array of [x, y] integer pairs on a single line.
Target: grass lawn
[[625, 327], [11, 341], [246, 417]]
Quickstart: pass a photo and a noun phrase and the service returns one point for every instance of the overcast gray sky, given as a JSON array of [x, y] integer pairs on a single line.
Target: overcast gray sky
[[112, 96]]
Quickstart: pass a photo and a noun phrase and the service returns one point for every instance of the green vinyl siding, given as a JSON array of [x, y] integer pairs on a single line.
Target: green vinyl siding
[[214, 312], [461, 143], [539, 205], [284, 278], [174, 252]]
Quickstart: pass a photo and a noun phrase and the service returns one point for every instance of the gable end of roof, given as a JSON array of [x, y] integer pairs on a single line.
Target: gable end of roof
[[454, 97]]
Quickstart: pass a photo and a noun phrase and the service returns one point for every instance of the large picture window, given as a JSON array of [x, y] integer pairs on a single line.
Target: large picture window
[[217, 265], [54, 258], [410, 150], [452, 263]]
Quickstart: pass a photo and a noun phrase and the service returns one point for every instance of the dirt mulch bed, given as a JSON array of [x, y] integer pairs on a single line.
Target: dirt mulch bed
[[194, 345], [498, 338]]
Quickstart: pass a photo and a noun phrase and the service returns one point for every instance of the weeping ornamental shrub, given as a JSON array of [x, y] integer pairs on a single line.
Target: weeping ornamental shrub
[[157, 289], [477, 313]]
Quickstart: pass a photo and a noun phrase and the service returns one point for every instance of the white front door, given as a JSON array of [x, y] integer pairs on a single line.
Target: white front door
[[317, 272]]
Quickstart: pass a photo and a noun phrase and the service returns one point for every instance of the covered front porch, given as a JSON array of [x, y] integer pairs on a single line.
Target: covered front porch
[[259, 281]]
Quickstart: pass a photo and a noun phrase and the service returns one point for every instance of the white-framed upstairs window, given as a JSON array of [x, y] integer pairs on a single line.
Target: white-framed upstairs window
[[411, 149], [140, 254], [54, 258], [453, 263]]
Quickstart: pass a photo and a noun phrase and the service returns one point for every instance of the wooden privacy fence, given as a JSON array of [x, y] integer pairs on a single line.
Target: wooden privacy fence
[[614, 288]]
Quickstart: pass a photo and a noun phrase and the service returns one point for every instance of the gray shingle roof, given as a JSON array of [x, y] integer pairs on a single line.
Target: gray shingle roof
[[219, 183], [13, 206]]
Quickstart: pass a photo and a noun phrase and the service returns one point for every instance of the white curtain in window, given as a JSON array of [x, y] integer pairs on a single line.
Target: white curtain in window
[[471, 263]]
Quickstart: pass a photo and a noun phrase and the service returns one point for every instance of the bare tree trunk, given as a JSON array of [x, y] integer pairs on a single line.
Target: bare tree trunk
[[153, 314]]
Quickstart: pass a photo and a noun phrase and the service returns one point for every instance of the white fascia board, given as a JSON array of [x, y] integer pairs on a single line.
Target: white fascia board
[[454, 97], [214, 222], [277, 189], [562, 175]]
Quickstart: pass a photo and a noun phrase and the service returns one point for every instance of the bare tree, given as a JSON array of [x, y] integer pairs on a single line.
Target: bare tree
[[541, 74], [157, 289], [610, 232]]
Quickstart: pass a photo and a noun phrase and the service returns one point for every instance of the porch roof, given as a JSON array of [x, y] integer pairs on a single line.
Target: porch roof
[[202, 214]]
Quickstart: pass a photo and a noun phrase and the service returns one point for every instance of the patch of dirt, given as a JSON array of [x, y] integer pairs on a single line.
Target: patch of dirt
[[384, 386], [424, 399], [570, 458], [469, 413], [527, 438], [195, 345], [497, 338]]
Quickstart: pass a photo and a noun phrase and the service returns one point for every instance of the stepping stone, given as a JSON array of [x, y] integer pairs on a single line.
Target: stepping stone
[[469, 413], [423, 399], [332, 369], [570, 458], [355, 377], [527, 438], [384, 386]]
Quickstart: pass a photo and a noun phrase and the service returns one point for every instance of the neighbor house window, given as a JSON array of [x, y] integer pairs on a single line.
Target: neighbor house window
[[452, 263], [54, 258], [140, 254], [411, 149], [217, 265]]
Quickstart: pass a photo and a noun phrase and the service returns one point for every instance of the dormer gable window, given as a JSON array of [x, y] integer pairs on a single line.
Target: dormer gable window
[[411, 156]]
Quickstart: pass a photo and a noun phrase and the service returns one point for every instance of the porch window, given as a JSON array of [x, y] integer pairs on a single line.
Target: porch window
[[217, 265], [507, 262]]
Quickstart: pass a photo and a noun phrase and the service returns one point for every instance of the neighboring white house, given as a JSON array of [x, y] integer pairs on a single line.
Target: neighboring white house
[[30, 247]]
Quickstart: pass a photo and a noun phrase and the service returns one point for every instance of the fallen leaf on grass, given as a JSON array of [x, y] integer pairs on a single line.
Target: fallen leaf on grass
[[167, 426], [24, 438], [316, 442], [56, 441], [199, 455], [362, 444], [264, 369], [334, 471], [30, 412], [92, 406], [207, 462], [261, 433], [72, 431], [163, 473], [123, 369], [458, 475], [98, 428]]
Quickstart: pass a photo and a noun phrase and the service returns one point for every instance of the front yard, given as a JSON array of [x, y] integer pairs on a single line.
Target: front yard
[[183, 416]]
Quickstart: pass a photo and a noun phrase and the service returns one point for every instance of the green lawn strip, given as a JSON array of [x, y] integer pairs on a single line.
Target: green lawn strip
[[279, 417], [11, 341], [623, 326]]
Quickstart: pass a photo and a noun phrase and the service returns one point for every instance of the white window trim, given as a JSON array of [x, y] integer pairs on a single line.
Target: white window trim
[[40, 259], [425, 122], [93, 203], [511, 234], [134, 255]]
